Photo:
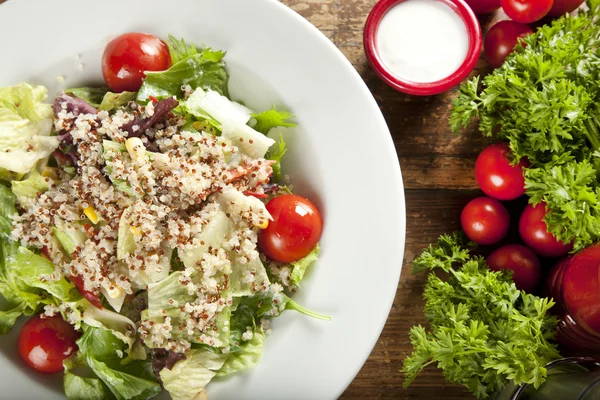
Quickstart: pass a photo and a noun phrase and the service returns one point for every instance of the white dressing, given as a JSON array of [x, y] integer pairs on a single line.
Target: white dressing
[[422, 41]]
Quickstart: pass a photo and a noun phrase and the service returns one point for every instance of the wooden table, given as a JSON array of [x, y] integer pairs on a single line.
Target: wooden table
[[437, 167]]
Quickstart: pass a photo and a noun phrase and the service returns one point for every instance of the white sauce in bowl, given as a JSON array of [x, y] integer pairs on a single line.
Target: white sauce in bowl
[[422, 41]]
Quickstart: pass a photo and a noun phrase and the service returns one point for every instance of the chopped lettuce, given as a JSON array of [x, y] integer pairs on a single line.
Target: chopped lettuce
[[125, 237], [247, 355], [299, 267], [188, 377], [212, 106], [204, 69], [276, 153], [29, 187], [101, 354], [248, 140], [111, 100], [267, 120], [119, 325], [69, 236], [25, 127], [102, 98], [92, 96]]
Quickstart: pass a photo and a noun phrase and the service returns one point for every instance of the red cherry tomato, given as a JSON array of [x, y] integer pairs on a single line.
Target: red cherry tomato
[[496, 176], [523, 262], [481, 7], [526, 11], [294, 231], [127, 56], [45, 342], [485, 220], [553, 284], [534, 232], [501, 40], [581, 289], [77, 280], [562, 7]]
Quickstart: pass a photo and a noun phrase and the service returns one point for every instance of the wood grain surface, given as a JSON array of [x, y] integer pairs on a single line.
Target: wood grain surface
[[437, 167]]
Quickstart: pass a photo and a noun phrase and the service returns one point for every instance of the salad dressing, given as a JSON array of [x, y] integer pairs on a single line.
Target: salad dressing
[[422, 41]]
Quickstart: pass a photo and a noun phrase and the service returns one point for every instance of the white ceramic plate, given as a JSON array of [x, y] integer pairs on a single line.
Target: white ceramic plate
[[341, 155]]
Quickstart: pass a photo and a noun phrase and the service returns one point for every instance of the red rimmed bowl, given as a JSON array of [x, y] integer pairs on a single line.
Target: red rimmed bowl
[[475, 41]]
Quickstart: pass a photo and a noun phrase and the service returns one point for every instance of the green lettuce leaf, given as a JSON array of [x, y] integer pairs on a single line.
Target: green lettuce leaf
[[80, 388], [103, 352], [299, 267], [83, 387], [205, 70], [111, 100], [216, 108], [246, 356], [91, 95], [267, 120], [102, 98], [25, 126], [188, 377], [179, 49], [276, 153], [29, 187]]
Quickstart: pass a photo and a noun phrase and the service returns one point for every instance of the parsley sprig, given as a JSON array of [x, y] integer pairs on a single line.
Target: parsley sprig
[[545, 101], [483, 332]]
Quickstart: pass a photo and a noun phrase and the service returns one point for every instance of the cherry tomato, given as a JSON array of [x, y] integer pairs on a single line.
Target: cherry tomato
[[581, 289], [294, 231], [562, 7], [534, 232], [127, 56], [45, 342], [501, 40], [77, 280], [526, 11], [495, 175], [485, 220], [480, 7], [523, 262]]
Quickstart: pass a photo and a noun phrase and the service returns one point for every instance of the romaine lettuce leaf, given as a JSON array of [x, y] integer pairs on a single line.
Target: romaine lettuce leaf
[[299, 267], [267, 120], [80, 388], [248, 140], [188, 377], [83, 388], [25, 126], [247, 355], [103, 353], [205, 70], [210, 105], [119, 325], [29, 187]]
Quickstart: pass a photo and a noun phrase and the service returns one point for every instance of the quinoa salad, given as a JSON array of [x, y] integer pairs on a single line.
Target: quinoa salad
[[147, 228]]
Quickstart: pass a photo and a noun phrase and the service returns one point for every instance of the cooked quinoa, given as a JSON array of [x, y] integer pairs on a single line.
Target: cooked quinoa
[[166, 196]]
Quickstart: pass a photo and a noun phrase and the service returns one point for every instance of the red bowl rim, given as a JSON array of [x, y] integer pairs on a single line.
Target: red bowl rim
[[427, 88]]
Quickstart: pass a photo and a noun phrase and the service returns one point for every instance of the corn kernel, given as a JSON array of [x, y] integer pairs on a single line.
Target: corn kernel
[[264, 224], [91, 214]]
